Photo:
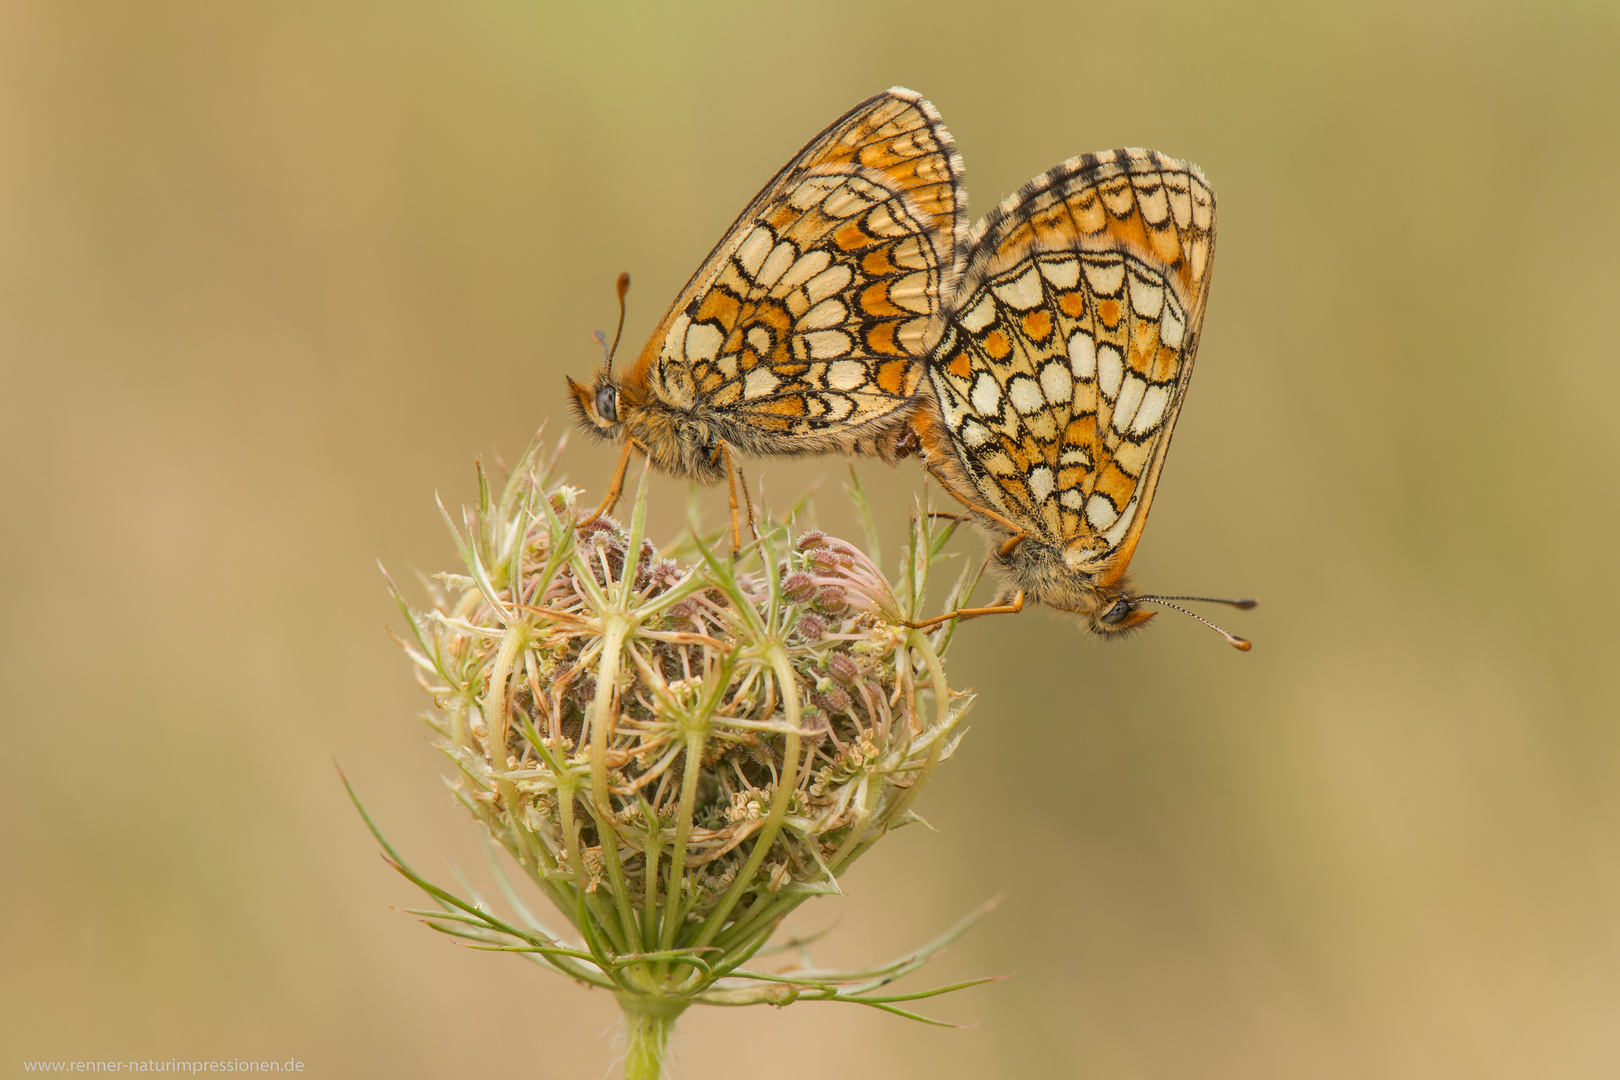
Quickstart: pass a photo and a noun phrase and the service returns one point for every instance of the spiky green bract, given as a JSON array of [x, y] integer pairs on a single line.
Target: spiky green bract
[[677, 754]]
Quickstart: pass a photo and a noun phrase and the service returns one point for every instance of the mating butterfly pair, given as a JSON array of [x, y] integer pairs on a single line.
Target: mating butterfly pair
[[1037, 364]]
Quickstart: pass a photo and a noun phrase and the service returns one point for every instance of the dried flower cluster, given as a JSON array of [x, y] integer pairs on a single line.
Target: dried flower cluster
[[677, 755]]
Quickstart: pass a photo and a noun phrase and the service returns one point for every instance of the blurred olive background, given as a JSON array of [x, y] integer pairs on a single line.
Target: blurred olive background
[[271, 274]]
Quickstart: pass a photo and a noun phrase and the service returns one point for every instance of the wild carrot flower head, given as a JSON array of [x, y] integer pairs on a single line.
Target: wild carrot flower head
[[677, 749]]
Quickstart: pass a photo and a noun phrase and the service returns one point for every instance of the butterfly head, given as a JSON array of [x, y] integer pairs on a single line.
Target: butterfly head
[[597, 406]]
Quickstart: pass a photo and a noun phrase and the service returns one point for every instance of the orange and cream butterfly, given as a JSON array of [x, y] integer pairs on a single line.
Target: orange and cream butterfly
[[807, 328], [1064, 363]]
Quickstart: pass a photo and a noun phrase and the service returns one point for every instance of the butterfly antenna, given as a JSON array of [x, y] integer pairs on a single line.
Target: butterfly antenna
[[1244, 603], [1241, 644], [623, 287]]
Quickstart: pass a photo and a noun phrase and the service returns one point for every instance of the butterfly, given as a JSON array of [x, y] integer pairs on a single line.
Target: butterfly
[[1064, 362], [806, 330]]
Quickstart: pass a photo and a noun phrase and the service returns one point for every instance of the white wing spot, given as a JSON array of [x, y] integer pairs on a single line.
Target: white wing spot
[[826, 314], [675, 340], [1064, 273], [979, 316], [1110, 369], [1023, 292], [1151, 410], [760, 382], [1100, 512], [781, 257], [1071, 498], [1122, 526], [828, 282], [1147, 296], [1173, 325], [1130, 396], [1083, 356], [806, 268], [986, 396], [759, 339], [1040, 483], [702, 341], [1180, 201], [1026, 395], [911, 293], [845, 202], [827, 343], [1107, 276], [751, 253], [846, 374], [1056, 382], [1153, 203], [975, 434], [812, 191]]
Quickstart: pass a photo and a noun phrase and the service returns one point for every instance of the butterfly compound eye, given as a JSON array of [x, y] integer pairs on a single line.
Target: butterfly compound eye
[[607, 404], [1116, 614]]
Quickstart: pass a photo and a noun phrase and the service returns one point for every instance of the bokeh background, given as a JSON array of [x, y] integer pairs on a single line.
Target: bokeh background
[[271, 274]]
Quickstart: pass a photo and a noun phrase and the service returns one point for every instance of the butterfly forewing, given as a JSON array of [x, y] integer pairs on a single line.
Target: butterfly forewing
[[812, 317], [1070, 345]]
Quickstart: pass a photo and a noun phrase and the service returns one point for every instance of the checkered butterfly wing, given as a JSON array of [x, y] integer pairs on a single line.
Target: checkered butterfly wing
[[813, 315], [1070, 346]]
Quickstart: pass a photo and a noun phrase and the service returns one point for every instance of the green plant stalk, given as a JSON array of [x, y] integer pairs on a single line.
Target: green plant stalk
[[649, 1022]]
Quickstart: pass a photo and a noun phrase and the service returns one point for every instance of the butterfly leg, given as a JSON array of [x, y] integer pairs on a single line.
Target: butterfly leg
[[616, 488], [1018, 534], [969, 613], [734, 475]]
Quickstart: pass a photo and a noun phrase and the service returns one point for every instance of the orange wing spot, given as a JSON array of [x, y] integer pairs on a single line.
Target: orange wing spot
[[1088, 212], [1017, 241], [892, 376], [781, 218], [1015, 489], [880, 339], [1109, 312], [1117, 484], [875, 302], [851, 237], [718, 306], [997, 345], [1166, 244], [837, 153], [775, 315], [882, 156], [1165, 365], [1072, 304], [1131, 230], [937, 202], [1038, 325], [959, 366], [1053, 226], [877, 263], [783, 406], [1143, 352], [789, 371]]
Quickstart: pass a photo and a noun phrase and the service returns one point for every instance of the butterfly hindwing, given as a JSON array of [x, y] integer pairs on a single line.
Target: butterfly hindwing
[[1070, 344]]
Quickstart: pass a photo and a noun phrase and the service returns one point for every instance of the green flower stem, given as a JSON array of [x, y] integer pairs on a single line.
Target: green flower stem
[[778, 659], [649, 1022], [614, 629]]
